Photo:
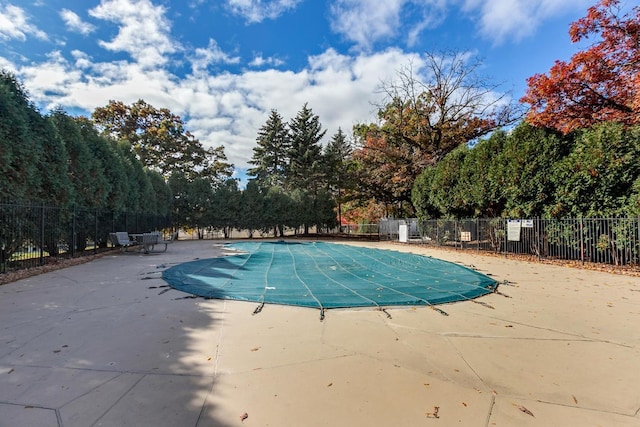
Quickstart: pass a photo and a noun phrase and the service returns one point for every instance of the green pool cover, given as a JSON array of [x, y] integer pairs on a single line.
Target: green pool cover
[[325, 275]]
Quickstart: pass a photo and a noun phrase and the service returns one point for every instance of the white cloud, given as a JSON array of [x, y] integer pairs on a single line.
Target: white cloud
[[14, 24], [212, 54], [51, 80], [74, 23], [224, 108], [502, 20], [260, 61], [219, 107], [82, 59], [255, 11], [143, 31], [366, 22], [7, 65]]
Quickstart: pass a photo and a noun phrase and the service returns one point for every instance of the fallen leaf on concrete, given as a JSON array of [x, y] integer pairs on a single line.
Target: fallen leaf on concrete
[[329, 385], [574, 399], [526, 411], [255, 349], [244, 416], [433, 414], [464, 404]]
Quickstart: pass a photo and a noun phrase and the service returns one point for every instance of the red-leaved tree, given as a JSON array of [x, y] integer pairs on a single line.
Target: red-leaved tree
[[600, 83]]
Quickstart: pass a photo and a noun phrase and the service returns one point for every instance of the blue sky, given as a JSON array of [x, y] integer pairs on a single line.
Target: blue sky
[[223, 65]]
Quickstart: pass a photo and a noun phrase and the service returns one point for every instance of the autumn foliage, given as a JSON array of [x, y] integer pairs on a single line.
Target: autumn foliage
[[600, 83]]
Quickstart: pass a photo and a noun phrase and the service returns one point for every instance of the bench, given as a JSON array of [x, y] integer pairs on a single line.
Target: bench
[[144, 242], [148, 241], [158, 240], [121, 239]]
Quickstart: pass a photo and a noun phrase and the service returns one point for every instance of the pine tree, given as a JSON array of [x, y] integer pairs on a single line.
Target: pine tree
[[337, 160], [271, 155], [305, 154]]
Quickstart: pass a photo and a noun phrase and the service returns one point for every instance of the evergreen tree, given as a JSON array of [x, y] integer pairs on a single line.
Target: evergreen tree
[[226, 205], [338, 165], [202, 205], [596, 179], [90, 186], [271, 155], [482, 177], [251, 206], [525, 169], [25, 143], [179, 185], [305, 154], [278, 208], [105, 152], [336, 157], [162, 193], [55, 185], [17, 153]]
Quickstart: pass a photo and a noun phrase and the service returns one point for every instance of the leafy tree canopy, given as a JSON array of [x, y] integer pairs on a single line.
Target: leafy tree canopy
[[443, 105], [160, 141], [600, 83]]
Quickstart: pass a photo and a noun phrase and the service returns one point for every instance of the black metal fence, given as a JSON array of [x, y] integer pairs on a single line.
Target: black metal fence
[[613, 241], [31, 235]]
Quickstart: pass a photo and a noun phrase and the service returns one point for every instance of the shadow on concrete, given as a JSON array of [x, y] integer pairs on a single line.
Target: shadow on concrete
[[109, 343]]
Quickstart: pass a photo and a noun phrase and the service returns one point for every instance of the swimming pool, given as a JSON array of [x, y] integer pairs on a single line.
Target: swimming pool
[[327, 275]]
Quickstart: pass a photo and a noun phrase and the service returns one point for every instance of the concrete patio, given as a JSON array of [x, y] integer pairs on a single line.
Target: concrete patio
[[107, 343]]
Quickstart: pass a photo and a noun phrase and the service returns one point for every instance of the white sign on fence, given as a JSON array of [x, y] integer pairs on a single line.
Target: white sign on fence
[[527, 223], [465, 236], [513, 230]]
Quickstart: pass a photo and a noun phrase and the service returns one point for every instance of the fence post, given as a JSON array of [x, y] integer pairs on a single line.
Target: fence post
[[538, 226], [95, 236], [506, 232], [455, 234], [42, 235], [581, 241], [477, 235], [72, 243]]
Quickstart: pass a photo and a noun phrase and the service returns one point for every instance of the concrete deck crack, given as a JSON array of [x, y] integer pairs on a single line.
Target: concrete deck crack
[[117, 401], [602, 411], [217, 363], [582, 337], [113, 371], [491, 405], [92, 390], [466, 362]]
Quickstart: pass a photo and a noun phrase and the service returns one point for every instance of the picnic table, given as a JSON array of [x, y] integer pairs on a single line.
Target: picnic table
[[141, 241], [148, 241]]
